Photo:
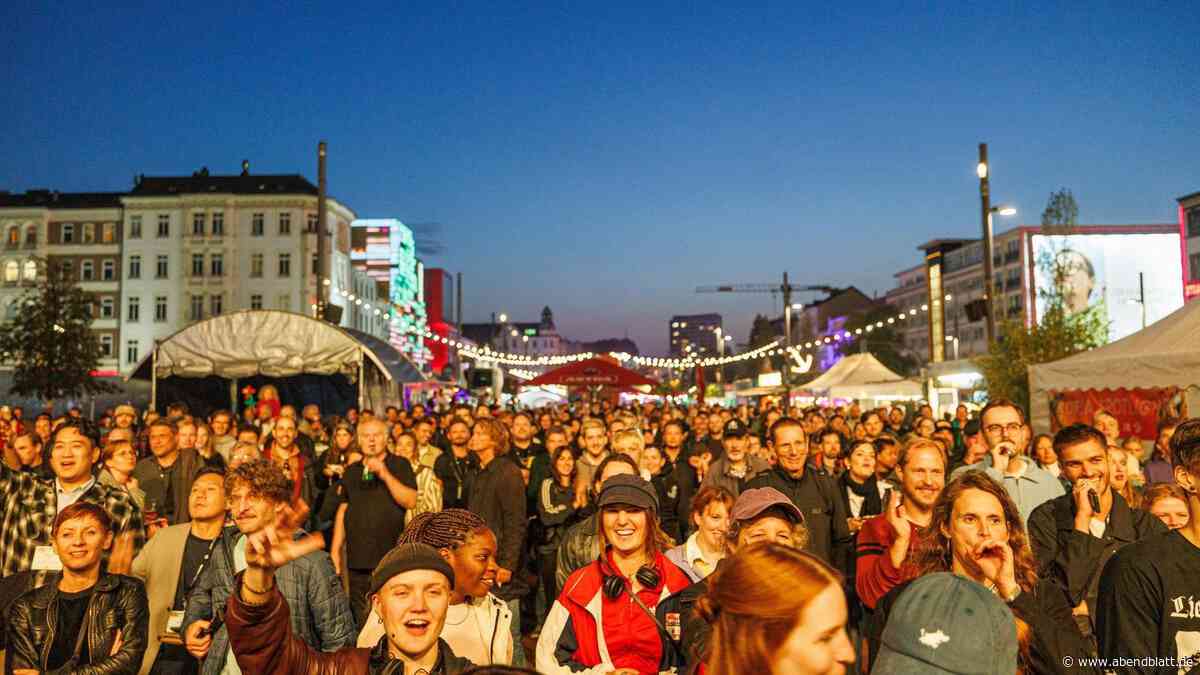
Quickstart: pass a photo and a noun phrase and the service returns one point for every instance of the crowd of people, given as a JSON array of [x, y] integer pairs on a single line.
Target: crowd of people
[[595, 538]]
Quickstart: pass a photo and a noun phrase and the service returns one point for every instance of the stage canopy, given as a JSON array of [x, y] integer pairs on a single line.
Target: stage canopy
[[255, 345], [598, 371]]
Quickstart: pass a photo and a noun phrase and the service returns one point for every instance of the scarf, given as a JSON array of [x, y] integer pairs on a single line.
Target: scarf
[[868, 490]]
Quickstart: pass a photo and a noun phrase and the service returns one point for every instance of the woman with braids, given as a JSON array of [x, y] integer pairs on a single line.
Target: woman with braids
[[603, 622], [980, 536], [477, 623]]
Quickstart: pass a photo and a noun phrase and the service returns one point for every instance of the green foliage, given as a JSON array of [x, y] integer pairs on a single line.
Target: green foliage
[[762, 333], [50, 344], [1063, 328]]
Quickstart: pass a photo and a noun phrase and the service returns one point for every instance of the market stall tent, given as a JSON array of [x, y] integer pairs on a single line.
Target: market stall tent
[[862, 376], [1162, 355], [596, 371], [255, 344]]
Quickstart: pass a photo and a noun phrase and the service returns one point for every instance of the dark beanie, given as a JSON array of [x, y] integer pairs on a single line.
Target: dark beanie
[[406, 558]]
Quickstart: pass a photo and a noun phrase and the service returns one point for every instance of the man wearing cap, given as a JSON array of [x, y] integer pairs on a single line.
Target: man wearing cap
[[734, 468], [944, 623], [409, 590], [758, 515]]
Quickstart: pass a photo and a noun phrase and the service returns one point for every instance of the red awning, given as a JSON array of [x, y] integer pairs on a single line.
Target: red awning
[[596, 371]]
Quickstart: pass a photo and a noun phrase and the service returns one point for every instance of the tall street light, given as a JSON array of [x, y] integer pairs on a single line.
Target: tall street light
[[986, 210]]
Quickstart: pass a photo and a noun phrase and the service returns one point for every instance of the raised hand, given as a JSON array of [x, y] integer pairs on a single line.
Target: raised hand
[[275, 545], [120, 560], [895, 516]]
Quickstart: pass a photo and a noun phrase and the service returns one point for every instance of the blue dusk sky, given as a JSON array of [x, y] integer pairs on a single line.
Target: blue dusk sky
[[607, 158]]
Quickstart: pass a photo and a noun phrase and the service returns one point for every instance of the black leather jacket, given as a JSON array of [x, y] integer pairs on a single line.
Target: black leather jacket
[[118, 603]]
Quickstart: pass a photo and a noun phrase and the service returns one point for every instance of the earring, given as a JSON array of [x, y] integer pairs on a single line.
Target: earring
[[379, 619]]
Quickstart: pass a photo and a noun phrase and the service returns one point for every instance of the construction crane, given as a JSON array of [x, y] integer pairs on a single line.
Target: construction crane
[[786, 289]]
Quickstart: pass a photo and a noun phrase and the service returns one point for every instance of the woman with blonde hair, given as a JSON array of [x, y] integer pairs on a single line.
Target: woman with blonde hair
[[1119, 477], [775, 610]]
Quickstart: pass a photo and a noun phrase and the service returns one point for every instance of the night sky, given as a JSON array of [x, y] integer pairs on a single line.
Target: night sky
[[605, 161]]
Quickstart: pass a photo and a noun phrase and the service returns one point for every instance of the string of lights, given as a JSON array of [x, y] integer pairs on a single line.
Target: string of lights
[[486, 354]]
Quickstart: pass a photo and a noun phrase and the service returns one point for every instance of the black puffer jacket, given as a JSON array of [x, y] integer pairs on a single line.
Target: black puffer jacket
[[118, 603]]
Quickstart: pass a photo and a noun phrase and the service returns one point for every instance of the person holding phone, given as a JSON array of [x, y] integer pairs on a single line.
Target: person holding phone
[[1077, 533]]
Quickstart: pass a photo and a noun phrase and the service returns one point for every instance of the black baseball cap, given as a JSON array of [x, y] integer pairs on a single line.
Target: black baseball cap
[[734, 428]]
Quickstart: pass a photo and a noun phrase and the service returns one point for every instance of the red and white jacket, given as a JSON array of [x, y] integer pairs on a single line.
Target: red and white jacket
[[587, 632]]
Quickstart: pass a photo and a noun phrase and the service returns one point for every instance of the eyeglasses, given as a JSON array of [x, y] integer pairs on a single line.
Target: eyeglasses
[[997, 429]]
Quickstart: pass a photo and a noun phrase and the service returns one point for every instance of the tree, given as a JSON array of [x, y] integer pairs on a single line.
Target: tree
[[1064, 328], [762, 333], [50, 343]]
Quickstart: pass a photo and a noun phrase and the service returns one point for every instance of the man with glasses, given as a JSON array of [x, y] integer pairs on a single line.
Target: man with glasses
[[1007, 437]]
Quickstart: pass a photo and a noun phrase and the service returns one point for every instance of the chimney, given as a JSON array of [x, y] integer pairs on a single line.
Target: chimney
[[245, 167]]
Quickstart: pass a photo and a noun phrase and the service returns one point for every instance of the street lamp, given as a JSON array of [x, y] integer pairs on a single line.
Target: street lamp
[[954, 341], [983, 170]]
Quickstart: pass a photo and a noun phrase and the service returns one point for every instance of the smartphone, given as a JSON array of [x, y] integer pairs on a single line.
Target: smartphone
[[212, 627], [1094, 500]]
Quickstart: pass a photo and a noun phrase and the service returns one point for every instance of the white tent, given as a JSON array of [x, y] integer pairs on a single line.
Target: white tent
[[862, 376], [275, 344], [1164, 354]]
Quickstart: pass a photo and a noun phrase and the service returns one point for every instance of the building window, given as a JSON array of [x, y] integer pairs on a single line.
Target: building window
[[198, 224], [107, 309], [164, 225], [285, 264], [135, 227], [285, 302], [218, 265], [31, 235], [131, 351], [197, 264], [68, 233], [256, 265], [108, 233], [109, 270], [87, 270], [14, 236], [1193, 222], [89, 233], [106, 345], [134, 312], [160, 308], [218, 224], [135, 267], [161, 268], [316, 265], [1194, 259], [216, 303], [256, 225], [66, 271], [31, 270], [12, 272], [285, 224], [311, 223], [197, 307], [256, 301]]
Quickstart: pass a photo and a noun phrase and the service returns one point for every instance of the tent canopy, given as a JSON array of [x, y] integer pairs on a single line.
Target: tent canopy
[[863, 376], [1164, 354], [259, 342], [596, 371]]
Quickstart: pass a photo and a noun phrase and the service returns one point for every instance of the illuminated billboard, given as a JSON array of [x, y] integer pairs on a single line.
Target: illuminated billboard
[[1119, 273]]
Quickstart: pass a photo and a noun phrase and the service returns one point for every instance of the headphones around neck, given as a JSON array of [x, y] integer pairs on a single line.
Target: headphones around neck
[[614, 584]]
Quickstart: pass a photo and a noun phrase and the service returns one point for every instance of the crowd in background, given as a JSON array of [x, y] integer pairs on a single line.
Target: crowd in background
[[596, 538]]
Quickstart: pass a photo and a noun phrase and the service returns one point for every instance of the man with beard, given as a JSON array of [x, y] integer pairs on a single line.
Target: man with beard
[[829, 452], [734, 468], [1007, 437], [1071, 534], [816, 496], [258, 497], [456, 468], [887, 543]]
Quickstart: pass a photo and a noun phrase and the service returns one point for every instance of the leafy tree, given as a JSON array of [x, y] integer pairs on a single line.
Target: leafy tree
[[762, 333], [50, 344], [1063, 329]]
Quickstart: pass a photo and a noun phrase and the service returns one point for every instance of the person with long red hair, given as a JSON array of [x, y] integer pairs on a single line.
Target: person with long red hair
[[776, 611]]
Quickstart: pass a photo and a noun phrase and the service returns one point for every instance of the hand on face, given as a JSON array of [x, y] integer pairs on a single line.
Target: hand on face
[[995, 560]]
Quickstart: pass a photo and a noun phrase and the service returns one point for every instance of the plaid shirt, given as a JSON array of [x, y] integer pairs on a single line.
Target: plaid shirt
[[30, 506]]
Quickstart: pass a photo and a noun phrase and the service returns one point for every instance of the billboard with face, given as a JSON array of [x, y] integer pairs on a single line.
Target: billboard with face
[[1103, 270]]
